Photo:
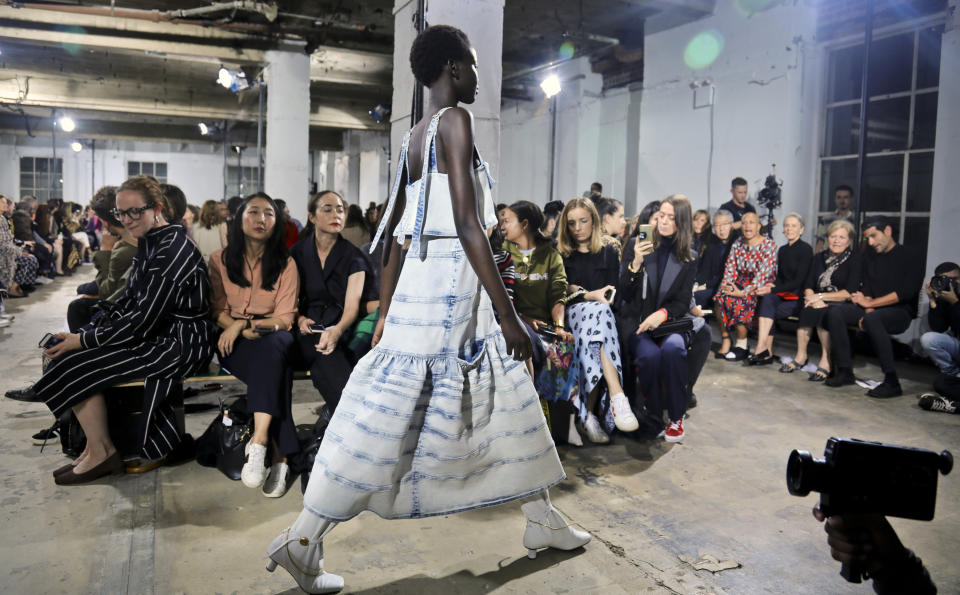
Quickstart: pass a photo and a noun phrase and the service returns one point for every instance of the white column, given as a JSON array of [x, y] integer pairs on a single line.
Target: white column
[[287, 161], [944, 206], [482, 21]]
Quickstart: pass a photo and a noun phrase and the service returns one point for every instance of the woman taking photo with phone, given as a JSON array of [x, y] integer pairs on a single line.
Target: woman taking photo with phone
[[332, 274], [158, 330], [592, 273], [255, 286], [658, 291]]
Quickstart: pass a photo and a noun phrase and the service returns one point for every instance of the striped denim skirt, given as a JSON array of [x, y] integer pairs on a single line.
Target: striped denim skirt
[[437, 418]]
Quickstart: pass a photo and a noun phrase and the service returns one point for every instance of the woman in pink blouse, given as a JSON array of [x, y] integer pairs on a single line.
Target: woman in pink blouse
[[751, 265], [255, 285]]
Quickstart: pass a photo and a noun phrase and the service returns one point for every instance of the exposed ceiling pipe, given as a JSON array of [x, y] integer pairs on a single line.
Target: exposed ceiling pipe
[[608, 41], [267, 9]]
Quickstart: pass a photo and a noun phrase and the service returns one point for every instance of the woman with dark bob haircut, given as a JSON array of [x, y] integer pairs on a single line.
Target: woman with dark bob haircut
[[441, 415], [255, 286], [158, 330]]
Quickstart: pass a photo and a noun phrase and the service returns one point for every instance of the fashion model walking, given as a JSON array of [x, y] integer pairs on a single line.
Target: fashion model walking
[[441, 416]]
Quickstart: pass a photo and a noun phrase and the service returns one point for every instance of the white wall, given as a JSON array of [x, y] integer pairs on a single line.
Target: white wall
[[196, 168], [766, 111]]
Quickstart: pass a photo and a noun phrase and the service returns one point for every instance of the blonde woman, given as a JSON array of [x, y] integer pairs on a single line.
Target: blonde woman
[[593, 269]]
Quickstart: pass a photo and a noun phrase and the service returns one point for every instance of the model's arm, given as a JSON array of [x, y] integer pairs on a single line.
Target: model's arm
[[456, 133], [392, 259]]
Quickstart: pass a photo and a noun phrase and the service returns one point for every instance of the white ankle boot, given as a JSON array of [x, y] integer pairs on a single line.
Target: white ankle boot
[[546, 527], [302, 557]]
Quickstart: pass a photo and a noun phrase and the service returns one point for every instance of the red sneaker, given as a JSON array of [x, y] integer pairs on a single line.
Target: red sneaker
[[674, 432]]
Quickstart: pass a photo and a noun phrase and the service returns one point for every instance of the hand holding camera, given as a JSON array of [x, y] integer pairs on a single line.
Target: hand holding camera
[[943, 287]]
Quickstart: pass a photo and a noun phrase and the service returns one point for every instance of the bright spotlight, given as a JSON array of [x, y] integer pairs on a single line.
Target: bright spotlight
[[550, 85], [67, 124], [204, 131], [225, 77], [76, 146]]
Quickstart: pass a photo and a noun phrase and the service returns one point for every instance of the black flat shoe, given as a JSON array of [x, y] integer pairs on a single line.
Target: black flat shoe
[[113, 465], [840, 380], [885, 390], [719, 355], [23, 394]]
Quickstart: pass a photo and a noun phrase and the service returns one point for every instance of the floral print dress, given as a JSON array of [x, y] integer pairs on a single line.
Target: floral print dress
[[746, 265]]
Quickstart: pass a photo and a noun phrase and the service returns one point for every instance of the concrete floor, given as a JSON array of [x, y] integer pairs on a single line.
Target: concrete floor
[[188, 529]]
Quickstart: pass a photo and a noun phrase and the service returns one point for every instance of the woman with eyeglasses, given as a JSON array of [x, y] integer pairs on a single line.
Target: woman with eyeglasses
[[255, 285], [158, 330]]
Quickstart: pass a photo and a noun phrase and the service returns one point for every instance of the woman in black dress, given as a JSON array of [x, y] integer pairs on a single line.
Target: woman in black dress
[[159, 330]]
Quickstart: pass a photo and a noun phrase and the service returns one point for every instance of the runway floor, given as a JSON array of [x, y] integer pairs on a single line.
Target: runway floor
[[188, 529]]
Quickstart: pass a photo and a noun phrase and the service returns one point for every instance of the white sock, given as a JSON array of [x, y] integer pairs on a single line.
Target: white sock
[[741, 343]]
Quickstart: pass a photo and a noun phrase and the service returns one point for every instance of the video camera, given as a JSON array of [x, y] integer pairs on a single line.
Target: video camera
[[770, 198], [860, 477]]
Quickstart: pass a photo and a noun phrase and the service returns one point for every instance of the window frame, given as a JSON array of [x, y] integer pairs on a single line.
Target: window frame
[[51, 190]]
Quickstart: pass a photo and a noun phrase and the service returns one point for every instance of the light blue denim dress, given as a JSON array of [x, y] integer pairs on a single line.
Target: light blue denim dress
[[437, 418]]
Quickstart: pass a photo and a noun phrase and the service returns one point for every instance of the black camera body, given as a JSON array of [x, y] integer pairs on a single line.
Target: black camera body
[[548, 333], [943, 283], [769, 196], [860, 477]]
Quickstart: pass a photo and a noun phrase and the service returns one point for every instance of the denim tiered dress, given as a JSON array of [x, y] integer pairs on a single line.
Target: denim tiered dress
[[438, 418]]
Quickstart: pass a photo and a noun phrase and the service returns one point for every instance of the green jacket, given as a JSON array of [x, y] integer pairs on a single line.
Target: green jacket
[[112, 266], [541, 280]]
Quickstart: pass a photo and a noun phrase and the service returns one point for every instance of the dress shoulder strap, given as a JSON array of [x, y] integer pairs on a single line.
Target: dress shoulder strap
[[401, 166]]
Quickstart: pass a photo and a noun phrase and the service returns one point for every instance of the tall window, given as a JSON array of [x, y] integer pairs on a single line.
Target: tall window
[[147, 168], [241, 180], [40, 178], [898, 171]]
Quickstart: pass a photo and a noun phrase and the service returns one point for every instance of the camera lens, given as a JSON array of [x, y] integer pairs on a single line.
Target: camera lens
[[804, 473]]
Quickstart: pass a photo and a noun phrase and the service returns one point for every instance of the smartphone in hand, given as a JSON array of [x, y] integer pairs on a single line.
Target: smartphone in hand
[[48, 341]]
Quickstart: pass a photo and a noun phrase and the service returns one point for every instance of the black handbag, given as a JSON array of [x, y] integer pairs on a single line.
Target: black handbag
[[680, 325], [222, 444], [310, 438]]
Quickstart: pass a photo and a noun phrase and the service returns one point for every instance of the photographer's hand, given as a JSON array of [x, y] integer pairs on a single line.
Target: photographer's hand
[[950, 295], [867, 541]]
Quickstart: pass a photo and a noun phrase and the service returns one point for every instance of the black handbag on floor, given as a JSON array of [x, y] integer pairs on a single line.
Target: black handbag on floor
[[310, 440], [222, 444]]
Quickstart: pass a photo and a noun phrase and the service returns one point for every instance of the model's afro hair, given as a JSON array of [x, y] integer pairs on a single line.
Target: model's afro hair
[[433, 48]]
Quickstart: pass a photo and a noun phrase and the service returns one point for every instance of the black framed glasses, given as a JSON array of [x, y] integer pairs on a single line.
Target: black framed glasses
[[133, 213]]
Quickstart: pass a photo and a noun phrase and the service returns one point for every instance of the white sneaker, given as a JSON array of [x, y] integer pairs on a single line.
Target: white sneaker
[[623, 416], [595, 433], [278, 481], [254, 473], [43, 280]]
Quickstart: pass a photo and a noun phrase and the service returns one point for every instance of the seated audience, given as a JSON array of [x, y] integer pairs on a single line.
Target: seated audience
[[713, 261], [833, 278], [332, 275], [843, 200], [702, 231], [190, 218], [158, 330], [355, 231], [539, 293], [699, 350], [613, 223], [18, 268], [22, 221], [112, 261], [885, 305], [941, 343], [176, 203], [593, 270], [551, 214], [210, 231], [658, 287], [255, 285], [70, 226], [44, 233], [781, 298], [752, 264], [293, 233]]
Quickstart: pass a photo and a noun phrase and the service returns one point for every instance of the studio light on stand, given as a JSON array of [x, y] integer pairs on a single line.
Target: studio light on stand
[[235, 80], [380, 112], [204, 129], [76, 146], [550, 85]]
